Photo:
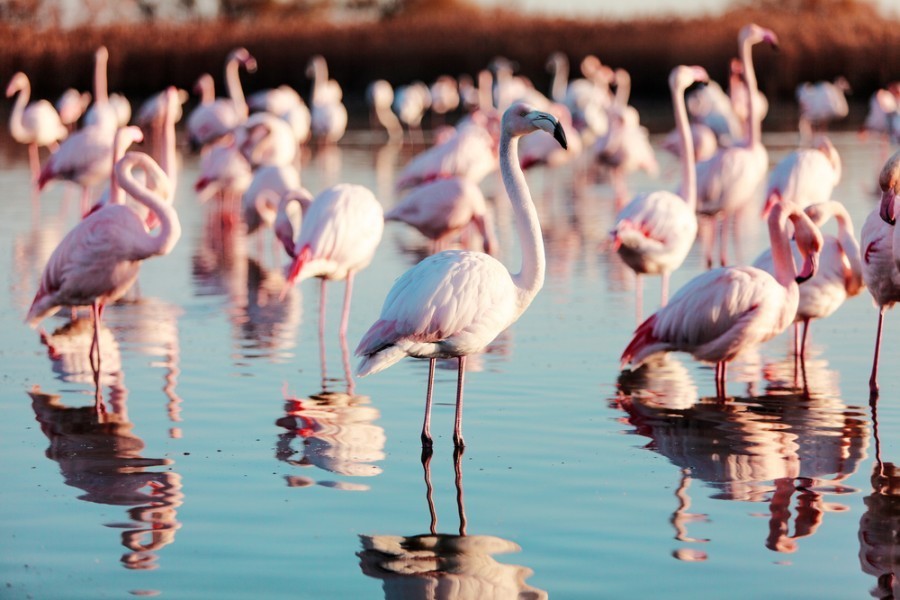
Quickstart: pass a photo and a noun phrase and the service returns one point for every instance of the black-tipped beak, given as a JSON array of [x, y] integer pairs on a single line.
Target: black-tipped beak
[[810, 266], [560, 136], [886, 212]]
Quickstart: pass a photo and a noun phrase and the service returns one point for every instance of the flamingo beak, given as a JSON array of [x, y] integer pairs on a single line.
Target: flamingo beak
[[773, 199], [560, 135], [888, 202], [301, 259], [810, 266]]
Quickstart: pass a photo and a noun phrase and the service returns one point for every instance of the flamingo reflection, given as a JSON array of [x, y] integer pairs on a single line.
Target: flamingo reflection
[[782, 448], [444, 566], [264, 325], [101, 455]]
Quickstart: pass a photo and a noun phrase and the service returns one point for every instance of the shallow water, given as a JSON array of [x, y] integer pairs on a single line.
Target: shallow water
[[239, 461]]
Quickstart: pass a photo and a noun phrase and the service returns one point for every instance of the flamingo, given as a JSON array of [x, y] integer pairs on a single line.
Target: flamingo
[[215, 117], [840, 269], [101, 111], [469, 152], [821, 103], [880, 243], [455, 303], [329, 115], [727, 181], [442, 208], [339, 234], [223, 171], [36, 124], [444, 96], [883, 116], [410, 104], [805, 176], [151, 117], [380, 96], [98, 260], [656, 230], [712, 107], [267, 140], [268, 183], [71, 105], [285, 103], [724, 311]]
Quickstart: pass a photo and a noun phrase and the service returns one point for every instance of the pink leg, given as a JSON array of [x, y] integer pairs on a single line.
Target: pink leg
[[723, 240], [803, 340], [35, 161], [707, 238], [460, 502], [638, 298], [873, 380], [664, 299], [426, 426], [457, 427], [322, 329], [97, 313], [345, 314], [85, 201]]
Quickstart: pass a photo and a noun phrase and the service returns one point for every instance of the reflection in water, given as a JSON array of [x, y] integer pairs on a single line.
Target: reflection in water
[[101, 455], [68, 348], [777, 449], [443, 566], [265, 324]]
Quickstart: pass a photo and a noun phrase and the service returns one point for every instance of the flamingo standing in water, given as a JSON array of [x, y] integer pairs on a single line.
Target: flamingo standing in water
[[724, 311], [36, 124], [821, 103], [328, 113], [727, 181], [71, 105], [656, 230], [805, 176], [215, 117], [880, 243], [839, 275], [98, 260], [455, 303], [443, 207], [339, 234]]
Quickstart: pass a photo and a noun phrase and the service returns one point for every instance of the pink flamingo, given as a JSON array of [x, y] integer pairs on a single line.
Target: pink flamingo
[[727, 181], [328, 113], [71, 105], [36, 124], [455, 303], [724, 311], [805, 176], [380, 97], [339, 234], [99, 258], [839, 275], [444, 207], [821, 103], [656, 230], [215, 117], [880, 242]]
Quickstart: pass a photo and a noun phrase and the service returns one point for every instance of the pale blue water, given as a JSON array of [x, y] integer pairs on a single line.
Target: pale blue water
[[575, 483]]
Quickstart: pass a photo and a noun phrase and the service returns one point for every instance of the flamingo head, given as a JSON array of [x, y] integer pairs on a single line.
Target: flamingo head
[[809, 243], [772, 199], [521, 118], [755, 34], [300, 259], [18, 82], [243, 56], [889, 181], [682, 77]]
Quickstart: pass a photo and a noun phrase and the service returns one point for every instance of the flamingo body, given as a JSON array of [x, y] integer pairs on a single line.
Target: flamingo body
[[806, 176]]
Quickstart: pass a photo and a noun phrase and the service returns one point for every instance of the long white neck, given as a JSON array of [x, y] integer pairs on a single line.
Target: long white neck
[[845, 236], [16, 119], [754, 127], [320, 77], [168, 160], [623, 88], [530, 278], [782, 256], [101, 88], [170, 227], [560, 78], [235, 90], [688, 168]]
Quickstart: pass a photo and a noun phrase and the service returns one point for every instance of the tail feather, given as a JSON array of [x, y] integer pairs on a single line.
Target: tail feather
[[379, 361], [643, 337]]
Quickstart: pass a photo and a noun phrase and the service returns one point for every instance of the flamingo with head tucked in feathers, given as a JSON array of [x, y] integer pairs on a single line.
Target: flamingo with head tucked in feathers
[[456, 302]]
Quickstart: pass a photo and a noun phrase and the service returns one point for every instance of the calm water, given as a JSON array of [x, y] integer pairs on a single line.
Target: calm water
[[240, 462]]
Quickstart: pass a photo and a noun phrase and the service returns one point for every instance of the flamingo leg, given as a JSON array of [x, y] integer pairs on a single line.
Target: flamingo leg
[[345, 313], [707, 235], [427, 453], [873, 380], [322, 328], [97, 313], [723, 240], [803, 340], [638, 298], [664, 294], [426, 426], [460, 503], [457, 426], [34, 161]]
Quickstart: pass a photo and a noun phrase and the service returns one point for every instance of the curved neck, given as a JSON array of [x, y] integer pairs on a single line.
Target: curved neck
[[782, 256], [688, 168], [235, 91], [851, 248], [16, 118], [170, 227], [116, 193], [754, 127], [530, 278]]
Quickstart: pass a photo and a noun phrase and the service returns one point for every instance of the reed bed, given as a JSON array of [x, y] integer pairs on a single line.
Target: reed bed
[[820, 40]]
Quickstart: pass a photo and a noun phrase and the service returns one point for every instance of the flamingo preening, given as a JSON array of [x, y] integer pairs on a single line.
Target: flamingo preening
[[456, 302]]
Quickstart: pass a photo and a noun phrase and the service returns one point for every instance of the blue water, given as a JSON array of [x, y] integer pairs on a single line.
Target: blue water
[[235, 467]]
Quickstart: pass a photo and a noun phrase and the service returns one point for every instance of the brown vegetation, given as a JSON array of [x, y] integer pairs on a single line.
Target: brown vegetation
[[820, 39]]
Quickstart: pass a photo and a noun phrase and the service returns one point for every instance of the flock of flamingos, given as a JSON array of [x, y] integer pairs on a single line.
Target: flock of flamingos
[[456, 301]]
